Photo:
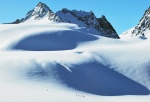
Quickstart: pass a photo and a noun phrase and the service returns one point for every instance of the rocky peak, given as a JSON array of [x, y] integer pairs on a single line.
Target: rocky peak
[[39, 12], [103, 17], [41, 5], [108, 28], [88, 20], [143, 25], [64, 10]]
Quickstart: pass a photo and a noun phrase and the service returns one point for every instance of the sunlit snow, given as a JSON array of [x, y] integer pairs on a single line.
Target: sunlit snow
[[43, 62]]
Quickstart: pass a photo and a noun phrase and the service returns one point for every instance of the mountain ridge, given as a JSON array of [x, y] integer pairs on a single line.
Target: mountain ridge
[[85, 19], [88, 20]]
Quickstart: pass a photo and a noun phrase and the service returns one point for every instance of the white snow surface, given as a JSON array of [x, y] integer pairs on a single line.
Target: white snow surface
[[43, 62]]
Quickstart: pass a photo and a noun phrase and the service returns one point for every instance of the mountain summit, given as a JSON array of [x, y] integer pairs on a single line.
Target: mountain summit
[[107, 27], [86, 20], [41, 11], [141, 29], [143, 25]]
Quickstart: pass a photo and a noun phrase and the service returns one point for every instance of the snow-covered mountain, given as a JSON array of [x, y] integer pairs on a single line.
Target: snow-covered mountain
[[42, 60], [40, 12], [144, 24], [98, 26], [87, 20], [142, 28]]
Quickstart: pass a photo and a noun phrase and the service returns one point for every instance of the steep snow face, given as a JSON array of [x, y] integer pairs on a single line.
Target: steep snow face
[[142, 28], [41, 11], [92, 24]]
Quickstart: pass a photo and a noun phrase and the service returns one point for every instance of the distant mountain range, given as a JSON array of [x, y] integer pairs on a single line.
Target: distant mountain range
[[87, 20]]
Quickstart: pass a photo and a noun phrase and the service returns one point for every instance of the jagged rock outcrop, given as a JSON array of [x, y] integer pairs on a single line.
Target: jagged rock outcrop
[[143, 25], [108, 28]]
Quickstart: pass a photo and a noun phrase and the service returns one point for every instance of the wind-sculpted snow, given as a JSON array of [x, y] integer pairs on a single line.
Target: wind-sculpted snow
[[43, 61], [52, 41], [98, 79], [86, 76]]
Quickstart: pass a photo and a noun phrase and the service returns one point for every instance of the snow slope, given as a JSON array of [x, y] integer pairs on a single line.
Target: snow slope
[[56, 61]]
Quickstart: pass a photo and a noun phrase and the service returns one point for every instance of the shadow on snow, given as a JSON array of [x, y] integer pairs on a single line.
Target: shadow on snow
[[53, 41], [93, 78]]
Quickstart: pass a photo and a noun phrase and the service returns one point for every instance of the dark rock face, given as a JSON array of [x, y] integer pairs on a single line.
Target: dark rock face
[[108, 28]]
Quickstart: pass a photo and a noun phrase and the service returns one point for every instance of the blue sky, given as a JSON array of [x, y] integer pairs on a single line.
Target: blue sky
[[122, 14]]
